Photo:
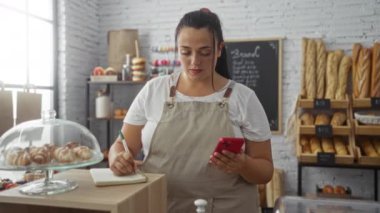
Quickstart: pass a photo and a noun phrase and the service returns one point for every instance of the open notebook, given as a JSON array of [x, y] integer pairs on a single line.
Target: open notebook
[[105, 177]]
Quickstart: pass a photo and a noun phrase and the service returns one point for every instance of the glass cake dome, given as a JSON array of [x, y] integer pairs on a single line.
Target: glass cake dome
[[48, 144]]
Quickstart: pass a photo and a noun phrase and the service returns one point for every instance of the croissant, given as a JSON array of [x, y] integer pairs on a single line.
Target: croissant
[[327, 145], [12, 156], [39, 155], [340, 146], [83, 152], [72, 144], [307, 118], [64, 155], [23, 158], [338, 119]]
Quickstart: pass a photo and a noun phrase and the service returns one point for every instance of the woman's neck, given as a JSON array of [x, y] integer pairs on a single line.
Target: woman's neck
[[202, 87]]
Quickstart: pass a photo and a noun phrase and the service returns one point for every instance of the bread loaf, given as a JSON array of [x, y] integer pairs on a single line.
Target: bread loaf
[[310, 77], [303, 67], [321, 68], [355, 59], [375, 75], [367, 148], [307, 118], [315, 145], [322, 119], [363, 72], [305, 145], [327, 145], [331, 75], [376, 144], [339, 53], [340, 146], [344, 68], [338, 119]]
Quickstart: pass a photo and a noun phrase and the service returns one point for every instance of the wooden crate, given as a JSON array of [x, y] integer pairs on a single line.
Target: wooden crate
[[361, 103], [362, 129], [362, 159], [335, 104], [312, 158], [366, 160]]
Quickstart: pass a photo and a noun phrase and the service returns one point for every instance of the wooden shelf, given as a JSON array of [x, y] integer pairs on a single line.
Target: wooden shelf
[[335, 104]]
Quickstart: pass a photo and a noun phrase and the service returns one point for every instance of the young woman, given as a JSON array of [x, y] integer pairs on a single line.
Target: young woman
[[177, 120]]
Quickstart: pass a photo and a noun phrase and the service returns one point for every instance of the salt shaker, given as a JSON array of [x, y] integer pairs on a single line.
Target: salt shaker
[[201, 205]]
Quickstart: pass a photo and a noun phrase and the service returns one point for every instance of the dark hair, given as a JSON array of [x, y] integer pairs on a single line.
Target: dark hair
[[205, 18]]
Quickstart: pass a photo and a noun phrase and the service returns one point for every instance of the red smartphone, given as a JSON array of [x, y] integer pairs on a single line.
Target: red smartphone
[[231, 144]]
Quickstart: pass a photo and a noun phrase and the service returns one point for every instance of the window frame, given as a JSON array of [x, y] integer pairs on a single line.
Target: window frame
[[54, 88]]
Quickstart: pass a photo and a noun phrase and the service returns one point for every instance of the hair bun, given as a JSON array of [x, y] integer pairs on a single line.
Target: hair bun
[[205, 10]]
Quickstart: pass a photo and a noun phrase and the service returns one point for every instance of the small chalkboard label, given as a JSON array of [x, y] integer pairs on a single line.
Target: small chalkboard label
[[325, 158], [323, 131], [375, 102], [322, 103]]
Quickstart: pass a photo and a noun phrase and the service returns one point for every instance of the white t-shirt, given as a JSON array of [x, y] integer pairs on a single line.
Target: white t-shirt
[[246, 112]]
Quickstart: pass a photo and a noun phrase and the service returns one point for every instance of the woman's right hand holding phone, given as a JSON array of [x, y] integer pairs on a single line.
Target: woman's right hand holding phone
[[122, 164]]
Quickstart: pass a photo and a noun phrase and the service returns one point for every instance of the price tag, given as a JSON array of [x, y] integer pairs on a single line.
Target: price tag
[[375, 102], [325, 158], [324, 131], [322, 103]]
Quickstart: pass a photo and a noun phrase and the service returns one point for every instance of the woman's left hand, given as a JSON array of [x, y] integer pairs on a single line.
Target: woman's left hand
[[229, 162]]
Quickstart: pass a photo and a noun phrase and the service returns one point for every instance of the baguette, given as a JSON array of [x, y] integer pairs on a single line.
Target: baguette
[[344, 68], [375, 75], [340, 146], [315, 145], [307, 118], [368, 149], [331, 75], [339, 55], [321, 68], [305, 145], [322, 119], [310, 79], [338, 119], [355, 58], [303, 67], [363, 72], [376, 144], [327, 145]]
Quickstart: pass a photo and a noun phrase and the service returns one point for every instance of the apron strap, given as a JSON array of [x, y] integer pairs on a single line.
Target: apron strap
[[173, 88], [173, 81], [227, 94]]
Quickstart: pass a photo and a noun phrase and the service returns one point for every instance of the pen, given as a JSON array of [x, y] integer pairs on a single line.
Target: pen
[[125, 145]]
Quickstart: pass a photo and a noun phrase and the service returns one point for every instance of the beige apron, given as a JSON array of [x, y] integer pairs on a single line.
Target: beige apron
[[181, 146]]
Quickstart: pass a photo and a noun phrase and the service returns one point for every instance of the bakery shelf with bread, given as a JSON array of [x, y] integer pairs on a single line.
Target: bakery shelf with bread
[[324, 74], [339, 120], [367, 150], [308, 147]]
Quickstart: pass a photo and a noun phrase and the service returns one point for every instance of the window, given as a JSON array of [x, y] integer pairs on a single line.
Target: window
[[27, 47]]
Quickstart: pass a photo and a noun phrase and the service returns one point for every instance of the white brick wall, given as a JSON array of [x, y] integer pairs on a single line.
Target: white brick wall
[[78, 35], [84, 26]]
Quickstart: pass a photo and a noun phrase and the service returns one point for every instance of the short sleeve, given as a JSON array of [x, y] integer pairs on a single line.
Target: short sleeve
[[136, 113], [254, 124]]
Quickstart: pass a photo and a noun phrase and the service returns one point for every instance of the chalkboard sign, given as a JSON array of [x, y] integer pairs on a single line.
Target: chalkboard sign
[[257, 64]]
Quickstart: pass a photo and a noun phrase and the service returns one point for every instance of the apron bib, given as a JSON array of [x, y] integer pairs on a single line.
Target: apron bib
[[181, 146]]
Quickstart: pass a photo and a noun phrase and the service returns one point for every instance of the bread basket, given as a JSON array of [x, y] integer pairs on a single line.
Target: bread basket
[[369, 117]]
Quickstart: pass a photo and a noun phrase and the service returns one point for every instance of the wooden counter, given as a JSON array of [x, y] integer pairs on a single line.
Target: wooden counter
[[149, 197]]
